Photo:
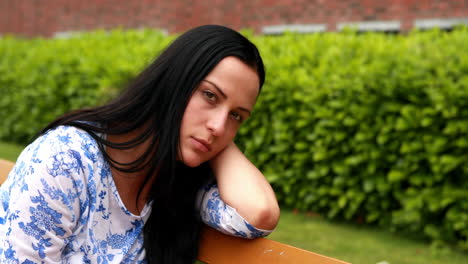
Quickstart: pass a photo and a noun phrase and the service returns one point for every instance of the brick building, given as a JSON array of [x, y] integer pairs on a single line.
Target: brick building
[[55, 17]]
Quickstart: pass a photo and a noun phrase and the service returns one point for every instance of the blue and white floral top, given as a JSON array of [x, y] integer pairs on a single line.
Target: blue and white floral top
[[60, 205]]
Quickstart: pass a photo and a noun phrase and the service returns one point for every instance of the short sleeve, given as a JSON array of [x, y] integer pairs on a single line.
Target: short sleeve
[[43, 201], [222, 217]]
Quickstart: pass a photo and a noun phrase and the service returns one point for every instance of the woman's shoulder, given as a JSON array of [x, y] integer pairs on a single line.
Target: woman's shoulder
[[64, 140], [63, 152], [68, 135]]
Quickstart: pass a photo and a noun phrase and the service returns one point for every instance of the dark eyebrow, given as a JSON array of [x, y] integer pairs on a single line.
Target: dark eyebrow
[[244, 110], [217, 88], [225, 97]]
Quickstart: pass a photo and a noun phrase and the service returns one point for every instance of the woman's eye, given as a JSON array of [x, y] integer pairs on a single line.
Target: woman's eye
[[210, 96], [236, 116]]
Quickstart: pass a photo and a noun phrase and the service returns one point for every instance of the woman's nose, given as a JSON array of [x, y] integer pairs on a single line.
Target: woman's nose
[[217, 123]]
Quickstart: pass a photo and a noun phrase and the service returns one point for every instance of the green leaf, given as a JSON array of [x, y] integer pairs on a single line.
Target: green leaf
[[395, 176]]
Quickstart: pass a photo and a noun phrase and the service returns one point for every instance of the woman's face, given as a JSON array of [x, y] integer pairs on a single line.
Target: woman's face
[[217, 108]]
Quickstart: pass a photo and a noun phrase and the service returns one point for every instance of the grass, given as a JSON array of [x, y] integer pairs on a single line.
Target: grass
[[358, 244], [353, 243], [10, 151]]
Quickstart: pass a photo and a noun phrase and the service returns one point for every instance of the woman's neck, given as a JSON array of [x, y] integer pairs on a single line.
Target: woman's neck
[[133, 187]]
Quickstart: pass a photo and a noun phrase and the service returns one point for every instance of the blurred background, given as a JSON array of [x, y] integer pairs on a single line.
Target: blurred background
[[58, 17], [361, 128]]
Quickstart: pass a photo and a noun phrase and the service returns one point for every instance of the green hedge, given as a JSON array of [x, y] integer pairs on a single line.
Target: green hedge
[[363, 127], [43, 78]]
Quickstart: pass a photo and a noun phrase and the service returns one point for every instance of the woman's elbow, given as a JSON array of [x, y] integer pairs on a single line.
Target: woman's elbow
[[267, 217]]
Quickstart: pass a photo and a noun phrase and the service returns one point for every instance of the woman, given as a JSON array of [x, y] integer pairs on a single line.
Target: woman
[[128, 182]]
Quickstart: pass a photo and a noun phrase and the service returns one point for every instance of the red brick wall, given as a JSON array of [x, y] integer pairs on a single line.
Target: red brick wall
[[46, 17]]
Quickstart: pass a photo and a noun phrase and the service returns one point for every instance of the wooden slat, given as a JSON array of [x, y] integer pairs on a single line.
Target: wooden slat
[[217, 248], [5, 168]]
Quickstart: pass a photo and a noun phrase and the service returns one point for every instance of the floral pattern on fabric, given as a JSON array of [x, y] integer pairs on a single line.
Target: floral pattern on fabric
[[60, 205], [215, 213]]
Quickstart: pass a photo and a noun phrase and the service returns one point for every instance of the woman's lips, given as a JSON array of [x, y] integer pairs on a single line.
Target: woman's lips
[[201, 144]]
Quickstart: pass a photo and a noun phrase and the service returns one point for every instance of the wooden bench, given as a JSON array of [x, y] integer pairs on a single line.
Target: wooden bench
[[5, 168], [218, 248]]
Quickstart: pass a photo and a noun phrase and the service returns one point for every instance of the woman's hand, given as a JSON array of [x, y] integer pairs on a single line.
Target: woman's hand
[[243, 187]]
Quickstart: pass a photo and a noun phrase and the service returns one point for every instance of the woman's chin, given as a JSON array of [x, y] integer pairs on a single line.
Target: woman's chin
[[192, 163], [192, 159]]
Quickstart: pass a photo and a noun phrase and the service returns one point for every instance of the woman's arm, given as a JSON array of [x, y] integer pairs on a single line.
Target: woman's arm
[[42, 200], [243, 187]]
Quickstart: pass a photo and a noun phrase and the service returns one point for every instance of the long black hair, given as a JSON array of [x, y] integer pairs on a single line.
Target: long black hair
[[155, 101]]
